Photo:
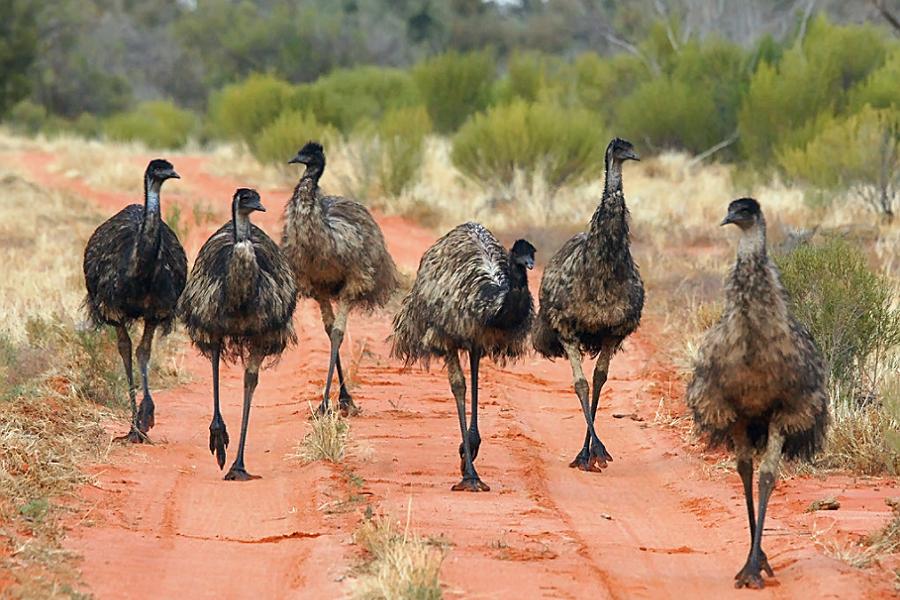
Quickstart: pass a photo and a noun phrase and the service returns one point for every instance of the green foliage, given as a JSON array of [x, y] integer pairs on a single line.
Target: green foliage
[[402, 138], [345, 97], [18, 49], [279, 141], [241, 110], [882, 88], [859, 152], [158, 124], [847, 309], [602, 83], [665, 113], [27, 117], [454, 86], [811, 82], [563, 146]]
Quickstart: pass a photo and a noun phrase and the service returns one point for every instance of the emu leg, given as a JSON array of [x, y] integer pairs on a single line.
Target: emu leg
[[145, 417], [586, 458], [474, 436], [470, 481], [237, 472], [744, 455], [218, 435], [597, 456], [134, 435], [750, 575], [344, 397], [347, 406]]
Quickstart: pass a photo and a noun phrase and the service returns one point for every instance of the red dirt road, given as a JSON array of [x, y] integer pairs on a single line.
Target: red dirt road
[[658, 523]]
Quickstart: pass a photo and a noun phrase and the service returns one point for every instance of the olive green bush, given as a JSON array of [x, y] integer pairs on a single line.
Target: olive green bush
[[158, 124], [454, 86], [279, 141]]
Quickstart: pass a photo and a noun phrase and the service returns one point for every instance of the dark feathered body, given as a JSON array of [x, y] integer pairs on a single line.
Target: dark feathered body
[[758, 364], [336, 249], [468, 295], [134, 268], [241, 296], [591, 291]]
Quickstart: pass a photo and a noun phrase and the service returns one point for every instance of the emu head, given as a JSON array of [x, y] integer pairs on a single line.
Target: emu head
[[159, 170], [311, 155], [246, 201], [743, 212], [620, 150], [522, 254]]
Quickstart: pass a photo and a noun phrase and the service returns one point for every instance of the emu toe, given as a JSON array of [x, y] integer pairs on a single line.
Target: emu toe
[[236, 473], [146, 410], [218, 441], [474, 444], [348, 408], [595, 460], [134, 436], [747, 568], [471, 484]]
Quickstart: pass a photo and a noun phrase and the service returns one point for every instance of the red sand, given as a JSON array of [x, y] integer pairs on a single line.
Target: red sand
[[163, 524]]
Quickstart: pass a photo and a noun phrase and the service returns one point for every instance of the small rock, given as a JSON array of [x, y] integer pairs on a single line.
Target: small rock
[[825, 504], [606, 516]]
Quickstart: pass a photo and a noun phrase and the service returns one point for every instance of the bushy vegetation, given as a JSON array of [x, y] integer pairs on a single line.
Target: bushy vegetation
[[850, 312], [157, 124], [401, 136], [241, 110], [454, 86], [279, 141], [562, 146]]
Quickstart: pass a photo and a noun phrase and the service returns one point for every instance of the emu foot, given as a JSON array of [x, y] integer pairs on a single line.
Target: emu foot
[[239, 473], [593, 460], [750, 576], [348, 407], [471, 484], [218, 441], [134, 436], [146, 410], [474, 444]]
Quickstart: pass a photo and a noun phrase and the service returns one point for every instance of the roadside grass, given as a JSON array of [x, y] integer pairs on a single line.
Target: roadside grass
[[399, 564], [60, 382], [327, 439]]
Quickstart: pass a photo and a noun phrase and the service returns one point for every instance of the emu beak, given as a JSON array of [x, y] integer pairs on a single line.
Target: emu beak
[[296, 160], [173, 175], [529, 264], [632, 155], [726, 220], [259, 207]]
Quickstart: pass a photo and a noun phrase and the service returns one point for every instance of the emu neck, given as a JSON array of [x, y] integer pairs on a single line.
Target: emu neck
[[151, 207], [752, 244], [308, 186], [241, 225], [147, 246], [608, 236]]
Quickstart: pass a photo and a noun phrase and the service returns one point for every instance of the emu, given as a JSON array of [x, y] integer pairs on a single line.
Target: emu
[[338, 254], [591, 299], [239, 304], [470, 294], [135, 268], [759, 379]]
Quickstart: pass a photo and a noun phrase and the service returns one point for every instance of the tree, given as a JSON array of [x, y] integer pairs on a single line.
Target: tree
[[18, 49]]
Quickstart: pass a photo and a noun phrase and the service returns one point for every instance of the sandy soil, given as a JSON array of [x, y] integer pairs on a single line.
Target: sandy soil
[[658, 523]]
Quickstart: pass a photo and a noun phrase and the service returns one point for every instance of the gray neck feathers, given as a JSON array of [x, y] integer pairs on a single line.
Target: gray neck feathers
[[613, 176], [241, 227], [753, 240]]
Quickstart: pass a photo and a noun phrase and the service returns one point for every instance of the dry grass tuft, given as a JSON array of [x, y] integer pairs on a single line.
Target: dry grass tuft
[[401, 565], [326, 440]]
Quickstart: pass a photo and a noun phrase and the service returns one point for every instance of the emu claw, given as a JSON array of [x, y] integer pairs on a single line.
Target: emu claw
[[134, 436], [593, 461], [236, 473], [471, 484], [750, 576], [218, 441], [348, 408], [146, 419]]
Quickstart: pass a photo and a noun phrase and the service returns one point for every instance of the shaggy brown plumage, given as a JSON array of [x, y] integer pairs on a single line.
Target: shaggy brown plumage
[[135, 268], [338, 254], [239, 303], [592, 297], [759, 380], [470, 294]]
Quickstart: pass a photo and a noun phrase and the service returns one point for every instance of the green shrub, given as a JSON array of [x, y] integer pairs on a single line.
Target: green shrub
[[27, 117], [784, 101], [848, 309], [402, 138], [454, 86], [665, 113], [601, 83], [345, 97], [882, 88], [241, 110], [279, 141], [158, 124], [564, 146], [860, 152]]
